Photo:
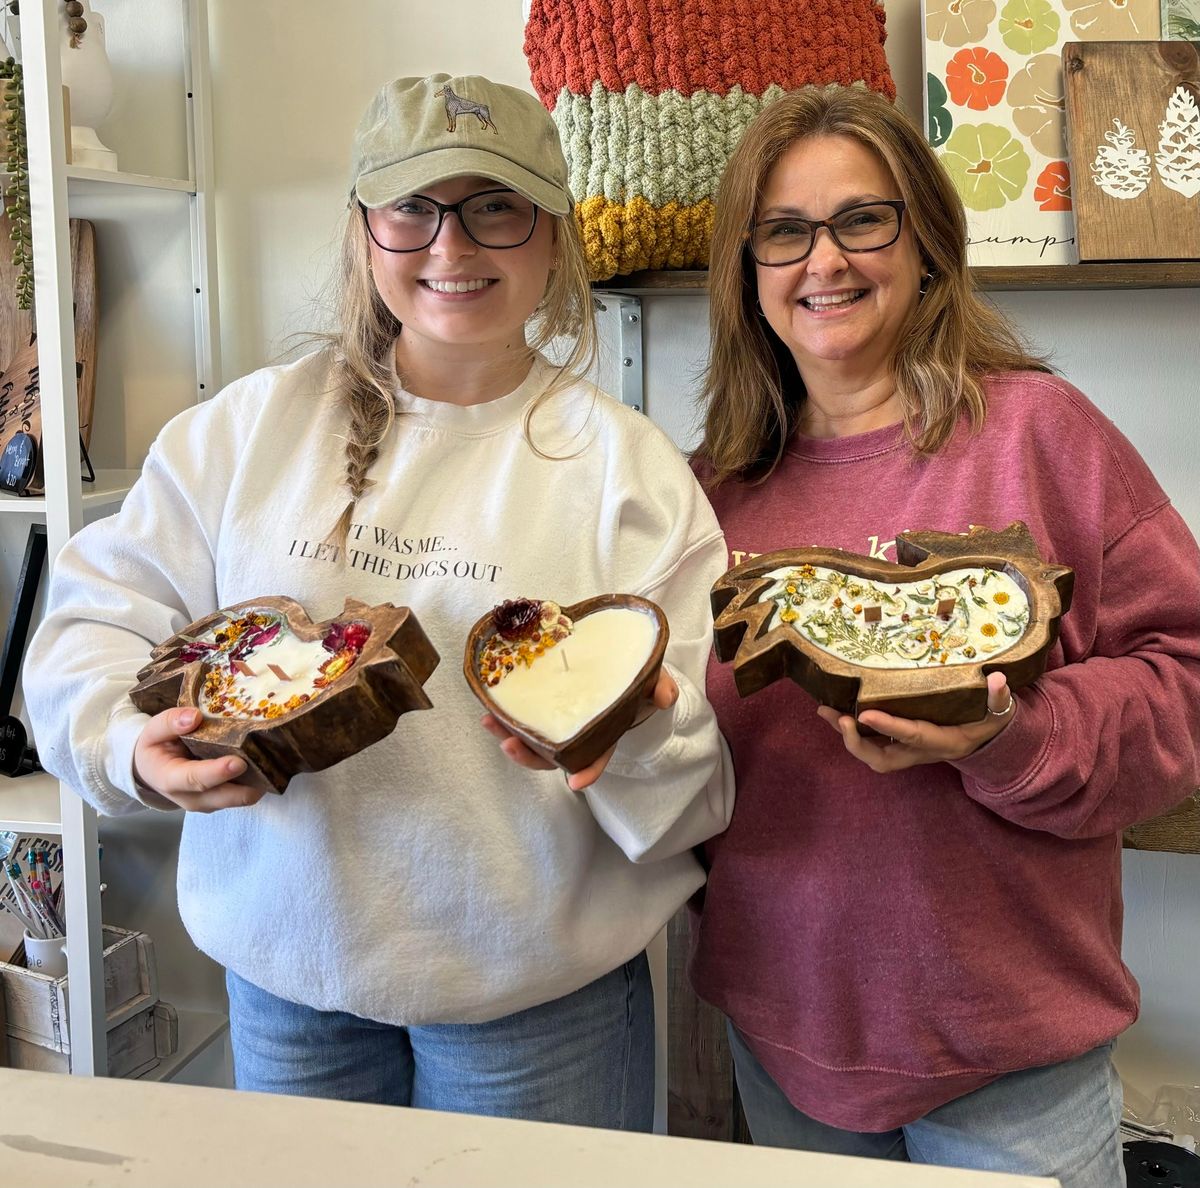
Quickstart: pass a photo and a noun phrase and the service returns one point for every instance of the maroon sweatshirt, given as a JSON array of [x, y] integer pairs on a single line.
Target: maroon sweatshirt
[[887, 943]]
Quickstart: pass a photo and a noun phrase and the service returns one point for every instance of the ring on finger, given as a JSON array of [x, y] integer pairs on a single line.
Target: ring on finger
[[1008, 709]]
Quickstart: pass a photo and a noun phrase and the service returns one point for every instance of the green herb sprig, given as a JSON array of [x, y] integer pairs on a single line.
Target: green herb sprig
[[16, 187]]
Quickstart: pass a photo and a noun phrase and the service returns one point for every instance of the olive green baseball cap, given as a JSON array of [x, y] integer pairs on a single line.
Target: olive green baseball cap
[[419, 131]]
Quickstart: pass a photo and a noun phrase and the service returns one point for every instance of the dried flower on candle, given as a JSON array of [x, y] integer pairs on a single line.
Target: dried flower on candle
[[919, 623], [232, 689], [525, 630], [517, 618]]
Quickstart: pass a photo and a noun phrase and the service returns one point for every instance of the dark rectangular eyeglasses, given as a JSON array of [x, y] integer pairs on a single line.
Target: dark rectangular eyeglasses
[[496, 218], [864, 227]]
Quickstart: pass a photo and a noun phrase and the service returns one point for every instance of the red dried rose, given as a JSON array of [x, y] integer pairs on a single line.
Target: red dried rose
[[346, 635], [357, 635], [517, 618]]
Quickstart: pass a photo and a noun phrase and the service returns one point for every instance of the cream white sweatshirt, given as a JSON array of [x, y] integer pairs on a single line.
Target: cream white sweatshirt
[[426, 879]]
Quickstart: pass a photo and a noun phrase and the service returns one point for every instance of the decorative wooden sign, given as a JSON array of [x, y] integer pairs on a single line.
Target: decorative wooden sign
[[567, 681], [284, 693], [20, 384], [1134, 115], [916, 639]]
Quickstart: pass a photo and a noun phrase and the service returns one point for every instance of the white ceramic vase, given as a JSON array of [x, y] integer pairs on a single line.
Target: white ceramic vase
[[87, 74]]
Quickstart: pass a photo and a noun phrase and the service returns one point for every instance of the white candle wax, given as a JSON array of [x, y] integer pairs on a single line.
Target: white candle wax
[[959, 616], [300, 659], [604, 653]]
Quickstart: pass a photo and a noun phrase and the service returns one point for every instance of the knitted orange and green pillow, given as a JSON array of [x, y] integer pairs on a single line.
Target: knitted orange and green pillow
[[650, 97]]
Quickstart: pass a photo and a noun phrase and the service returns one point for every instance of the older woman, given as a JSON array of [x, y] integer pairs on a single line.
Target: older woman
[[915, 931]]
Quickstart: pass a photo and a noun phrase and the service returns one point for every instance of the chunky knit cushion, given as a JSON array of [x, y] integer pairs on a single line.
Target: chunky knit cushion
[[650, 97]]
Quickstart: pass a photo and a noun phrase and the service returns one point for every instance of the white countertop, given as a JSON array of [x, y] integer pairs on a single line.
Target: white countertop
[[70, 1131]]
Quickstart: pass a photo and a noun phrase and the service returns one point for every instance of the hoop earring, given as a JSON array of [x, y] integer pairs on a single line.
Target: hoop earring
[[923, 287], [758, 308]]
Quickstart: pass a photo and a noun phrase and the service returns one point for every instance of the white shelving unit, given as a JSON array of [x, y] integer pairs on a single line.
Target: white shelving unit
[[110, 487], [81, 180], [30, 804], [37, 803]]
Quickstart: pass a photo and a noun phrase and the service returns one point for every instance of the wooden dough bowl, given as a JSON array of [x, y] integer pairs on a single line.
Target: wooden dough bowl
[[588, 743], [357, 709], [947, 695]]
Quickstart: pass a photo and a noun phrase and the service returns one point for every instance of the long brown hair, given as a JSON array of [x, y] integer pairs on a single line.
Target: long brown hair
[[362, 345], [752, 389]]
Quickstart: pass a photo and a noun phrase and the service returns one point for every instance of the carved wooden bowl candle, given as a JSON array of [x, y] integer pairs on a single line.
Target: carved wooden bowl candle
[[287, 694], [916, 639], [568, 681]]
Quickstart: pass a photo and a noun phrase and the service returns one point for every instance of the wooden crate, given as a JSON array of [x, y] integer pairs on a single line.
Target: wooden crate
[[135, 1045], [38, 1006]]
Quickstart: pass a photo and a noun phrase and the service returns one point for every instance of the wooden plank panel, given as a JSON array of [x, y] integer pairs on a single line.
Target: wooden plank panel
[[1180, 274], [1133, 114], [1176, 832], [701, 1095], [1173, 274]]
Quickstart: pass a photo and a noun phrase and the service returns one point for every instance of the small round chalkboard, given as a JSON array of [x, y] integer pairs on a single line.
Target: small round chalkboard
[[16, 756], [18, 462]]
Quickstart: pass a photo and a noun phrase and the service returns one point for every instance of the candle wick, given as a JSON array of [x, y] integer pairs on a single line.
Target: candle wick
[[562, 653]]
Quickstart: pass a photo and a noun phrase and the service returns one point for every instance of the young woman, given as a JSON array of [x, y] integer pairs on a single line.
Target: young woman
[[916, 932], [438, 921]]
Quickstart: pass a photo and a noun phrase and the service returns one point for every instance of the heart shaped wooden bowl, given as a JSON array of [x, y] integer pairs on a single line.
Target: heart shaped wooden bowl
[[944, 694], [588, 743], [355, 710]]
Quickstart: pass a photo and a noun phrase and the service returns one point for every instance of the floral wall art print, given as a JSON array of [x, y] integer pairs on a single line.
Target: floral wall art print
[[1181, 20], [995, 113]]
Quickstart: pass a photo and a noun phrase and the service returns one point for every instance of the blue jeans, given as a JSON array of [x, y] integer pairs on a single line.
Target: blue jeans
[[1061, 1120], [585, 1059]]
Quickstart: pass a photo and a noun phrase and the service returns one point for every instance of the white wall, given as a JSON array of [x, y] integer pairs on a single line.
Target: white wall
[[290, 78]]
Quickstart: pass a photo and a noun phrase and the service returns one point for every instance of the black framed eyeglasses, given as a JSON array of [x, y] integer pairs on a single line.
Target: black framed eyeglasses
[[496, 218], [864, 227]]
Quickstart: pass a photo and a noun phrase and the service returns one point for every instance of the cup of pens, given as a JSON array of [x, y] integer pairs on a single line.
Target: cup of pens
[[33, 899], [46, 954]]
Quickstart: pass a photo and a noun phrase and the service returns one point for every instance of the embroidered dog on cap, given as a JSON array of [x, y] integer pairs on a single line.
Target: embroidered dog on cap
[[456, 105]]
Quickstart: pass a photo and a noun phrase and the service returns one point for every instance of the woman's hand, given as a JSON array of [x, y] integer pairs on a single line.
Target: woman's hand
[[904, 742], [666, 693], [166, 766]]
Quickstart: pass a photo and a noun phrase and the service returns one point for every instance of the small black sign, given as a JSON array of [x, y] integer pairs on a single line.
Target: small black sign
[[18, 462]]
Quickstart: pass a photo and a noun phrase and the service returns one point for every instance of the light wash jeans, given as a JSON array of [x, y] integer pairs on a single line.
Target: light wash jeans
[[1061, 1120], [585, 1059]]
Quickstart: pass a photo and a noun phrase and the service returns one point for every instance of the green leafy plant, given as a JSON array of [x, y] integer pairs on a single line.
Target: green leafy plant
[[16, 187]]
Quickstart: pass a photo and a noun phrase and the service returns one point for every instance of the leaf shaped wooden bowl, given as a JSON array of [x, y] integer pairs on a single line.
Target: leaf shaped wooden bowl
[[351, 678], [601, 729], [916, 639]]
